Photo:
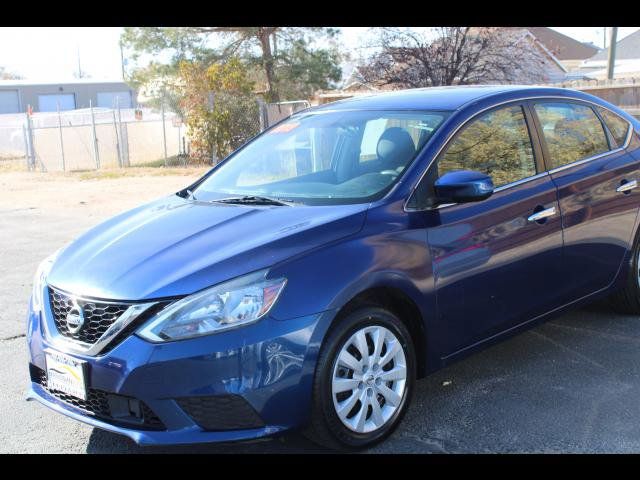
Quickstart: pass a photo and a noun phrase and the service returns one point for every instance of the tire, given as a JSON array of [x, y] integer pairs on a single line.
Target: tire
[[627, 299], [327, 427]]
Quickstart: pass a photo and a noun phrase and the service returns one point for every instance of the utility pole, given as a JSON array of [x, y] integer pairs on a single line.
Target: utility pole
[[122, 60], [79, 69], [612, 53], [604, 38]]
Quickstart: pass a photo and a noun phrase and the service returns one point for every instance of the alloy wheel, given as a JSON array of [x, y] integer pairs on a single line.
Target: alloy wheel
[[369, 379]]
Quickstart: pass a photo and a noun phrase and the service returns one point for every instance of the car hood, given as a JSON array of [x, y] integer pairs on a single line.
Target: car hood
[[175, 246]]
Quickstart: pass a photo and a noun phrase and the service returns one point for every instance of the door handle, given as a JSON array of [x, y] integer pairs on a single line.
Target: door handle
[[542, 214], [626, 186]]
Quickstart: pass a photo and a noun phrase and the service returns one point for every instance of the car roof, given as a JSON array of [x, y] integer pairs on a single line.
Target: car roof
[[437, 98]]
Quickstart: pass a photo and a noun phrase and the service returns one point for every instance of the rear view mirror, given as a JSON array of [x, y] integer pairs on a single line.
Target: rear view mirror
[[461, 186]]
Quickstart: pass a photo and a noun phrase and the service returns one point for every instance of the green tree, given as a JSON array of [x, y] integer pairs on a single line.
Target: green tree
[[276, 52], [221, 111], [303, 71]]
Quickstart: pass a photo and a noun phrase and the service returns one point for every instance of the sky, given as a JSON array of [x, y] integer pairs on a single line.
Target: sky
[[51, 53]]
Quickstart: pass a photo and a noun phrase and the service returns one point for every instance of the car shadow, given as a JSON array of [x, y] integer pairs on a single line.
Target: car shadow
[[102, 441]]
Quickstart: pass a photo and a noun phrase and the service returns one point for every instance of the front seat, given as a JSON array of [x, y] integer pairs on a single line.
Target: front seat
[[395, 149]]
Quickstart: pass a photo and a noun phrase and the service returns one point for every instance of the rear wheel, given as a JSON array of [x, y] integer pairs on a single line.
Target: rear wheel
[[364, 380], [627, 300]]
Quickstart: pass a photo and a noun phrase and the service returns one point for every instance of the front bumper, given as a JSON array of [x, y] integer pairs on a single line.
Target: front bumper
[[268, 367]]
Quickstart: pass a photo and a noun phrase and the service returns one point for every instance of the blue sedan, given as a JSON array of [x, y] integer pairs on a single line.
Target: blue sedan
[[309, 279]]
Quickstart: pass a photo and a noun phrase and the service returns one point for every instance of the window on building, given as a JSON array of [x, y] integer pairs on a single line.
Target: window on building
[[50, 102], [114, 99]]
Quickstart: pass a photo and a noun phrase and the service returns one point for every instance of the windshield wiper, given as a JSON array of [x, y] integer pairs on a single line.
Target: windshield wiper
[[255, 200]]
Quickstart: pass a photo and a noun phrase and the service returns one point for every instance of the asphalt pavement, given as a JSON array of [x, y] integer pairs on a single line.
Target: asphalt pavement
[[570, 385]]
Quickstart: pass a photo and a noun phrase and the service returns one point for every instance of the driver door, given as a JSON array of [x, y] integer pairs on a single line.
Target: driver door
[[496, 263]]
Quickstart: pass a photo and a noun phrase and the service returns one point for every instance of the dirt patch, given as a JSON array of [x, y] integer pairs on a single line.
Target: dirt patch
[[102, 193]]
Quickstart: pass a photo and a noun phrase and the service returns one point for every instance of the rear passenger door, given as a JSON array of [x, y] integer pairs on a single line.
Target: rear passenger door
[[596, 180]]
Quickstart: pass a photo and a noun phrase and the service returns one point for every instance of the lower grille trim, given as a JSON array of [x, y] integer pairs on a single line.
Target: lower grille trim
[[221, 412], [103, 405]]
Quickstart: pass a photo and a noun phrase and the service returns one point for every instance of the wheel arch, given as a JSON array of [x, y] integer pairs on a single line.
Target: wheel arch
[[400, 303]]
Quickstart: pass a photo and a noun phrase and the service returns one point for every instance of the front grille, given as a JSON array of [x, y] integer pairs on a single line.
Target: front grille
[[98, 317], [117, 409], [221, 412]]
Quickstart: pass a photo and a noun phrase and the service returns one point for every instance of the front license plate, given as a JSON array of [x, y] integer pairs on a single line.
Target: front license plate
[[66, 374]]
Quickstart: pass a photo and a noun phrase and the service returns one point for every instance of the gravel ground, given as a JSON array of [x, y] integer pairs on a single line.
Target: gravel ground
[[570, 385]]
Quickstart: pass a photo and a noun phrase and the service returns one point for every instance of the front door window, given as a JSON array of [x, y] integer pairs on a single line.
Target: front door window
[[497, 143]]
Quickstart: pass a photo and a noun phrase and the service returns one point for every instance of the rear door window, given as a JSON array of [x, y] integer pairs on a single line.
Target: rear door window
[[571, 131], [618, 126]]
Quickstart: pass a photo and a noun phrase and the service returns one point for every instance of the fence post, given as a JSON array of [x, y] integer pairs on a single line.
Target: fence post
[[179, 137], [115, 129], [124, 139], [60, 132], [26, 147], [261, 114], [30, 146], [164, 131], [96, 153], [185, 155]]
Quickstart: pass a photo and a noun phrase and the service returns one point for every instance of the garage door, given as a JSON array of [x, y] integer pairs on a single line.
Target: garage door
[[108, 99], [9, 101], [50, 102]]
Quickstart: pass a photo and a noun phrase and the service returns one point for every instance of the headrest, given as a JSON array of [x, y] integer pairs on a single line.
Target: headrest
[[395, 146]]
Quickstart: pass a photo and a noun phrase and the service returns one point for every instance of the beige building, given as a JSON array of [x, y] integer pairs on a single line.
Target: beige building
[[17, 95]]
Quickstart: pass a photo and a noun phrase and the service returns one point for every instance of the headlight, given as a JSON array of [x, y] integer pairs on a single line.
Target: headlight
[[39, 280], [241, 301]]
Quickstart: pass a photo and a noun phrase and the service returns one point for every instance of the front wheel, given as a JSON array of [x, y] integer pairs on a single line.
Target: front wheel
[[364, 380]]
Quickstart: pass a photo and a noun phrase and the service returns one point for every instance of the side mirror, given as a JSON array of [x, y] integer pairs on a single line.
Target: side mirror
[[461, 186]]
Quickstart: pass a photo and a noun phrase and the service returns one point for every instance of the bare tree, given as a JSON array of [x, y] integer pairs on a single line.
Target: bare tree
[[455, 56], [6, 75]]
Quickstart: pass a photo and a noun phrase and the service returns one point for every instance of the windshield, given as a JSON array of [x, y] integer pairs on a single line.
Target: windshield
[[325, 158]]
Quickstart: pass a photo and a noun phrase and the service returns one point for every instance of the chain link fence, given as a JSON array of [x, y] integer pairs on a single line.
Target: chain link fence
[[99, 138], [90, 139]]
